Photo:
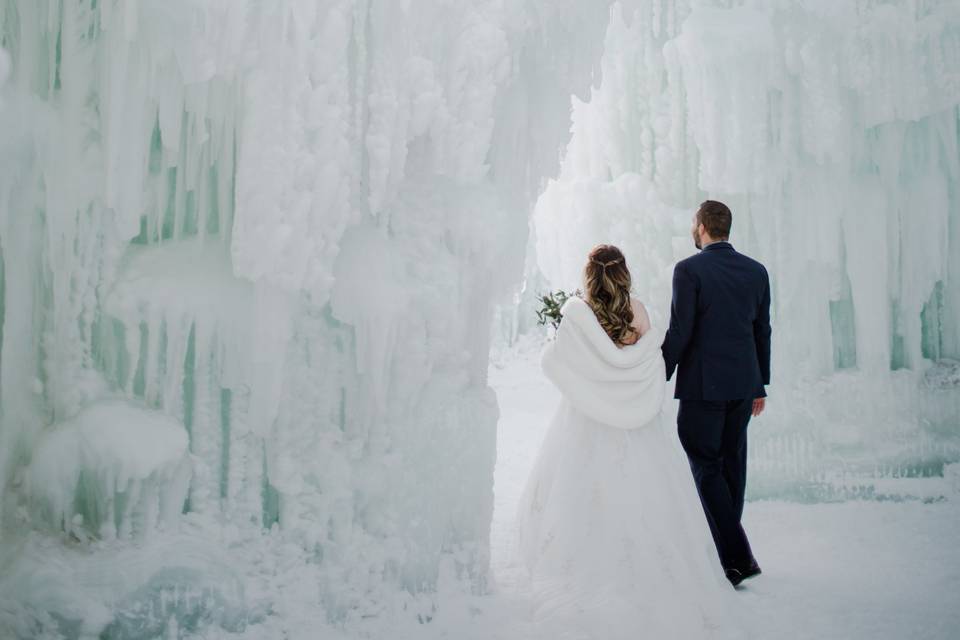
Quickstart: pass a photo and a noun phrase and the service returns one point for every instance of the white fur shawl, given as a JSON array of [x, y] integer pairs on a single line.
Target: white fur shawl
[[618, 386]]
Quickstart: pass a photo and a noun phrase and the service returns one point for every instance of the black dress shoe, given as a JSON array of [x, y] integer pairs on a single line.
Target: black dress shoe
[[736, 576], [751, 571]]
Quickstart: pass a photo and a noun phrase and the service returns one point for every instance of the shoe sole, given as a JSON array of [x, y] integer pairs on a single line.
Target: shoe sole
[[747, 576], [744, 576]]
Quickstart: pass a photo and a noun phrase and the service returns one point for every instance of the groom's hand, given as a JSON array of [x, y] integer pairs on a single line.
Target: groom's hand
[[758, 406]]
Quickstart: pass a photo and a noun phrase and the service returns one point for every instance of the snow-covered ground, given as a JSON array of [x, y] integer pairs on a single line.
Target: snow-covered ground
[[844, 570]]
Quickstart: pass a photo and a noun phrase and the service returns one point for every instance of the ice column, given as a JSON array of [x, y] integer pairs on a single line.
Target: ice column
[[281, 226]]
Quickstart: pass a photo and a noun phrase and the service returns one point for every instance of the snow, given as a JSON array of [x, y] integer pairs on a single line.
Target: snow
[[125, 589], [860, 569], [115, 469], [270, 238], [852, 570]]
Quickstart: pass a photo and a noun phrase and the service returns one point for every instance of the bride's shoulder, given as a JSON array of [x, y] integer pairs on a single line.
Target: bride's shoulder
[[641, 320], [637, 305]]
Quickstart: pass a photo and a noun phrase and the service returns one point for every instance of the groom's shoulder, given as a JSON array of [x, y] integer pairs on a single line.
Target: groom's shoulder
[[756, 265], [691, 267], [757, 272], [702, 261], [693, 263], [689, 261]]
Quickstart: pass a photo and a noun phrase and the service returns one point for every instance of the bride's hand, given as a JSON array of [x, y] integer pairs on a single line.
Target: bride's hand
[[758, 406]]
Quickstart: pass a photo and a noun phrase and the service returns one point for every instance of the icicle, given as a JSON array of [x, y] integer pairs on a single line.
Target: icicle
[[206, 435]]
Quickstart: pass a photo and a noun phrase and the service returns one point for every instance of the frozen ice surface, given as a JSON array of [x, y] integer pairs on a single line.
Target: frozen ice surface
[[282, 226], [113, 469], [944, 375], [121, 590], [285, 226]]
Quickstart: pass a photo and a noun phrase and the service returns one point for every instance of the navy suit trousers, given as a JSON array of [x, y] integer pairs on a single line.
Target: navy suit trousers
[[714, 436]]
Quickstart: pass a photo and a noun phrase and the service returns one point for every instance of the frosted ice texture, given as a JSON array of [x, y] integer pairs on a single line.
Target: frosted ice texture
[[114, 469], [283, 226], [831, 130]]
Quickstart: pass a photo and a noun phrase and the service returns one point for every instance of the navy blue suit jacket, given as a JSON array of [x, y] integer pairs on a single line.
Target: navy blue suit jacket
[[719, 334]]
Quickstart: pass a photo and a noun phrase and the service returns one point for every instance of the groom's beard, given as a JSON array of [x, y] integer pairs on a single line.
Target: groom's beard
[[696, 239]]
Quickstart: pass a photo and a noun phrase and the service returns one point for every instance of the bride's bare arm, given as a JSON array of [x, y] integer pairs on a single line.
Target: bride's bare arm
[[641, 321]]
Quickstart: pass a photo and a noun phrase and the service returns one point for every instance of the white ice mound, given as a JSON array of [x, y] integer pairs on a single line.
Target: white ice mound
[[114, 470]]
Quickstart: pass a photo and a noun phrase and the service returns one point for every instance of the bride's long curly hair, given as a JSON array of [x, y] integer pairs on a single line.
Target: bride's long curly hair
[[607, 282]]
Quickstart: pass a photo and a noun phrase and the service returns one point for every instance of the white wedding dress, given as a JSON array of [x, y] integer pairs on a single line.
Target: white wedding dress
[[610, 524]]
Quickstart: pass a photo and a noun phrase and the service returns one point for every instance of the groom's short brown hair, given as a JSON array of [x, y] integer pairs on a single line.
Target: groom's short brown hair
[[715, 218]]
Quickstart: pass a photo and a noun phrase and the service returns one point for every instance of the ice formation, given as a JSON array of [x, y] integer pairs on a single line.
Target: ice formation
[[282, 226], [114, 469], [281, 229], [831, 130]]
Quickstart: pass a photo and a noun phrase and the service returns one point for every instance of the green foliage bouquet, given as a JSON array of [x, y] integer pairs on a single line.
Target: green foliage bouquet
[[552, 302]]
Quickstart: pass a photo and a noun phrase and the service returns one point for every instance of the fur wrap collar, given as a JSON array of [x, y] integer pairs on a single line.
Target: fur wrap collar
[[618, 386]]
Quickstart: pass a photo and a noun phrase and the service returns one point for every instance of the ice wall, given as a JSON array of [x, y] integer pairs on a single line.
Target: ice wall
[[282, 225], [831, 130]]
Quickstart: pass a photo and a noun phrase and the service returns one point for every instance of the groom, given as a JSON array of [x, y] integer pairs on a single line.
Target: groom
[[719, 337]]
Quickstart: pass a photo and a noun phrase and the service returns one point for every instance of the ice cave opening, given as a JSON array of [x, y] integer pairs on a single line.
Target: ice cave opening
[[255, 260]]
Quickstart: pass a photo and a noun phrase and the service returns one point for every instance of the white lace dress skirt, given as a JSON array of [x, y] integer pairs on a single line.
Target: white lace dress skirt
[[617, 543]]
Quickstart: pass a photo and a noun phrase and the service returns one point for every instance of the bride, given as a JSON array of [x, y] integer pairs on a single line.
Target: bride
[[610, 524]]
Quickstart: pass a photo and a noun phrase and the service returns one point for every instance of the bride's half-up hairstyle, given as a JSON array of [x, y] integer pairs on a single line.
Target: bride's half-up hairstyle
[[606, 282]]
